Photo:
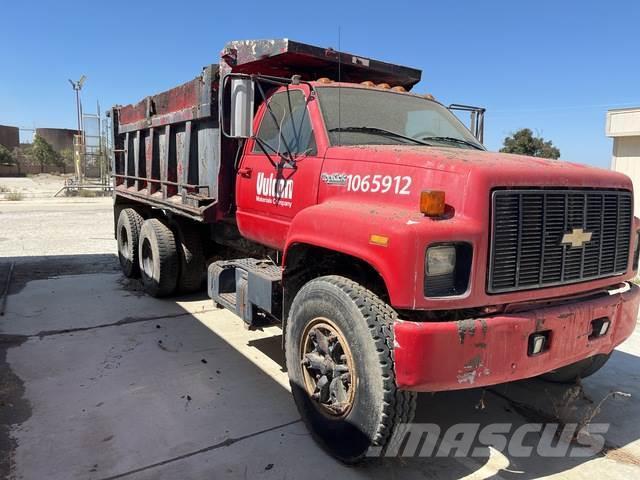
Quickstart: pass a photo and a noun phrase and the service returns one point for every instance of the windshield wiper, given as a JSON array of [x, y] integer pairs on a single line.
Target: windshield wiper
[[379, 131], [454, 140]]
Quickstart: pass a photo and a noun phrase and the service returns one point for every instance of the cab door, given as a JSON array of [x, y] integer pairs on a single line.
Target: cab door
[[270, 188]]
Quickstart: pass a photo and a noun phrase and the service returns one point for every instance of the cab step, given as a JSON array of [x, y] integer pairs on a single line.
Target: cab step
[[249, 287]]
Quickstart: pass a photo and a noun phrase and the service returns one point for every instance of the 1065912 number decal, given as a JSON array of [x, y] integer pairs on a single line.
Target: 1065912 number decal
[[400, 185]]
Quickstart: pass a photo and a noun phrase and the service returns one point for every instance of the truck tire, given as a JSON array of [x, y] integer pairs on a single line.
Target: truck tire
[[128, 235], [158, 258], [582, 369], [348, 402], [192, 261]]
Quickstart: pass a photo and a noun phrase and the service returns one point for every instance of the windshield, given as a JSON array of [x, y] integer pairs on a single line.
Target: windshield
[[381, 117]]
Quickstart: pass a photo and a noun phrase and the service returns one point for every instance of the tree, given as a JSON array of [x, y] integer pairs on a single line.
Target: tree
[[523, 142], [5, 155], [67, 159], [44, 154], [22, 156]]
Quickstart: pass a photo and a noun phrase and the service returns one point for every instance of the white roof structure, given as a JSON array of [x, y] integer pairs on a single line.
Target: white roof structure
[[623, 125]]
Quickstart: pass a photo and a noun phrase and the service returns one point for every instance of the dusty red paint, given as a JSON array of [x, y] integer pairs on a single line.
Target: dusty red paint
[[429, 356], [434, 356], [331, 217], [180, 98]]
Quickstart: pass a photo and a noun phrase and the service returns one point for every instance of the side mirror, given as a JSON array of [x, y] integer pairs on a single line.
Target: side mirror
[[242, 94]]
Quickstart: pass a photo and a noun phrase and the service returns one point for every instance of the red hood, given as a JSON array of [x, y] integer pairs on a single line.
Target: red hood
[[466, 176], [502, 169]]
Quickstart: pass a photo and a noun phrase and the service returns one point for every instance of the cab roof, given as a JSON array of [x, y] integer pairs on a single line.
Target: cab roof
[[284, 58]]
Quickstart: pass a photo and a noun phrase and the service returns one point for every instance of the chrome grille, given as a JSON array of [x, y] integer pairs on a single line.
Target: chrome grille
[[528, 227]]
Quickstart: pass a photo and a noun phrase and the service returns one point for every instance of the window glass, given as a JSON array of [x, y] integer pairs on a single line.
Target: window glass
[[288, 126], [352, 114], [427, 122]]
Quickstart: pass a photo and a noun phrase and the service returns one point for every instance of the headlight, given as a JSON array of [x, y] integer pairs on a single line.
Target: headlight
[[447, 268], [441, 260]]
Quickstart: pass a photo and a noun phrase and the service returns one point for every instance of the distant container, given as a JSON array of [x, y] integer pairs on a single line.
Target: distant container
[[9, 136], [59, 138]]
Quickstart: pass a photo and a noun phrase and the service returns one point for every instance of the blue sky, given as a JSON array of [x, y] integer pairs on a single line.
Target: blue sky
[[552, 66]]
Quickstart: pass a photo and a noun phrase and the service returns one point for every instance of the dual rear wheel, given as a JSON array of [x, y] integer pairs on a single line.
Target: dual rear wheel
[[167, 258], [128, 235]]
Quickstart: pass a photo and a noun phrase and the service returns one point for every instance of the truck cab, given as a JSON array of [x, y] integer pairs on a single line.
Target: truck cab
[[398, 253]]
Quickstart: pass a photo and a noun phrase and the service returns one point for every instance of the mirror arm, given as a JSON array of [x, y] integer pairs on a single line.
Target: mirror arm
[[287, 157], [236, 162], [262, 146], [273, 117]]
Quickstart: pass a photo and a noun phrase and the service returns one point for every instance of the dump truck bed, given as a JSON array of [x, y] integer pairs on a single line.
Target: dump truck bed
[[168, 148]]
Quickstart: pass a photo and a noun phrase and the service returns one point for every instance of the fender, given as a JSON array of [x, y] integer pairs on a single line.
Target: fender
[[346, 227]]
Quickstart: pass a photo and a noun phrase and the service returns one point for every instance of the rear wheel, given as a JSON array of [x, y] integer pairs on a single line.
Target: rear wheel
[[582, 369], [339, 353], [128, 234], [158, 258]]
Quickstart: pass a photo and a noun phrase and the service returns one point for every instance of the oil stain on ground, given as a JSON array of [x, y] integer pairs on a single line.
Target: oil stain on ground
[[14, 407]]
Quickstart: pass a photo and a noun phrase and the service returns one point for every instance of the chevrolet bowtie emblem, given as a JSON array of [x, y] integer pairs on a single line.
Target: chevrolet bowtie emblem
[[577, 237]]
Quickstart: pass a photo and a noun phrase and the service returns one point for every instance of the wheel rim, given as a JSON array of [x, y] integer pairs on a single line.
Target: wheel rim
[[328, 367], [125, 249], [147, 258]]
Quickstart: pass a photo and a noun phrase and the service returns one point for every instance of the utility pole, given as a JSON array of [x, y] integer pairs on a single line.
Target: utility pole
[[77, 86]]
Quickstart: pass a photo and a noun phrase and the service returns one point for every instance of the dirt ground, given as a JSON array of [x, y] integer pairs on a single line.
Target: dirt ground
[[34, 186], [99, 381]]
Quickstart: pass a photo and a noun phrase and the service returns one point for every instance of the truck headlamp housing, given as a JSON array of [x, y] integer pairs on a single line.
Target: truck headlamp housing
[[446, 269], [441, 260]]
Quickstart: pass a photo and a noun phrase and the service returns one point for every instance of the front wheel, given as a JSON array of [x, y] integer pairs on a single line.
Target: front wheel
[[339, 354]]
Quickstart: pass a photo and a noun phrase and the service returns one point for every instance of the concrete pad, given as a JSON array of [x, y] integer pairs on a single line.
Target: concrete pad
[[85, 301], [184, 397], [123, 399], [188, 392]]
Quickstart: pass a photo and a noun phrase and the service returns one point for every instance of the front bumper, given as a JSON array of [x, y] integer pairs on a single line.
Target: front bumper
[[435, 356]]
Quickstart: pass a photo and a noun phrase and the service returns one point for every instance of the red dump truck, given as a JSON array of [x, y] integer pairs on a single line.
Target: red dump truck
[[315, 189]]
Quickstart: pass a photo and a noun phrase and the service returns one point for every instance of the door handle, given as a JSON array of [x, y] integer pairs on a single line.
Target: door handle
[[245, 172]]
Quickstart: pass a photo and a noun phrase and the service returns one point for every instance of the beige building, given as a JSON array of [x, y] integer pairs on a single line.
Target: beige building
[[623, 125]]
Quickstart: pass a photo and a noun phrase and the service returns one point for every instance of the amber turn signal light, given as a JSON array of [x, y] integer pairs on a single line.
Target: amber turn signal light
[[432, 203]]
